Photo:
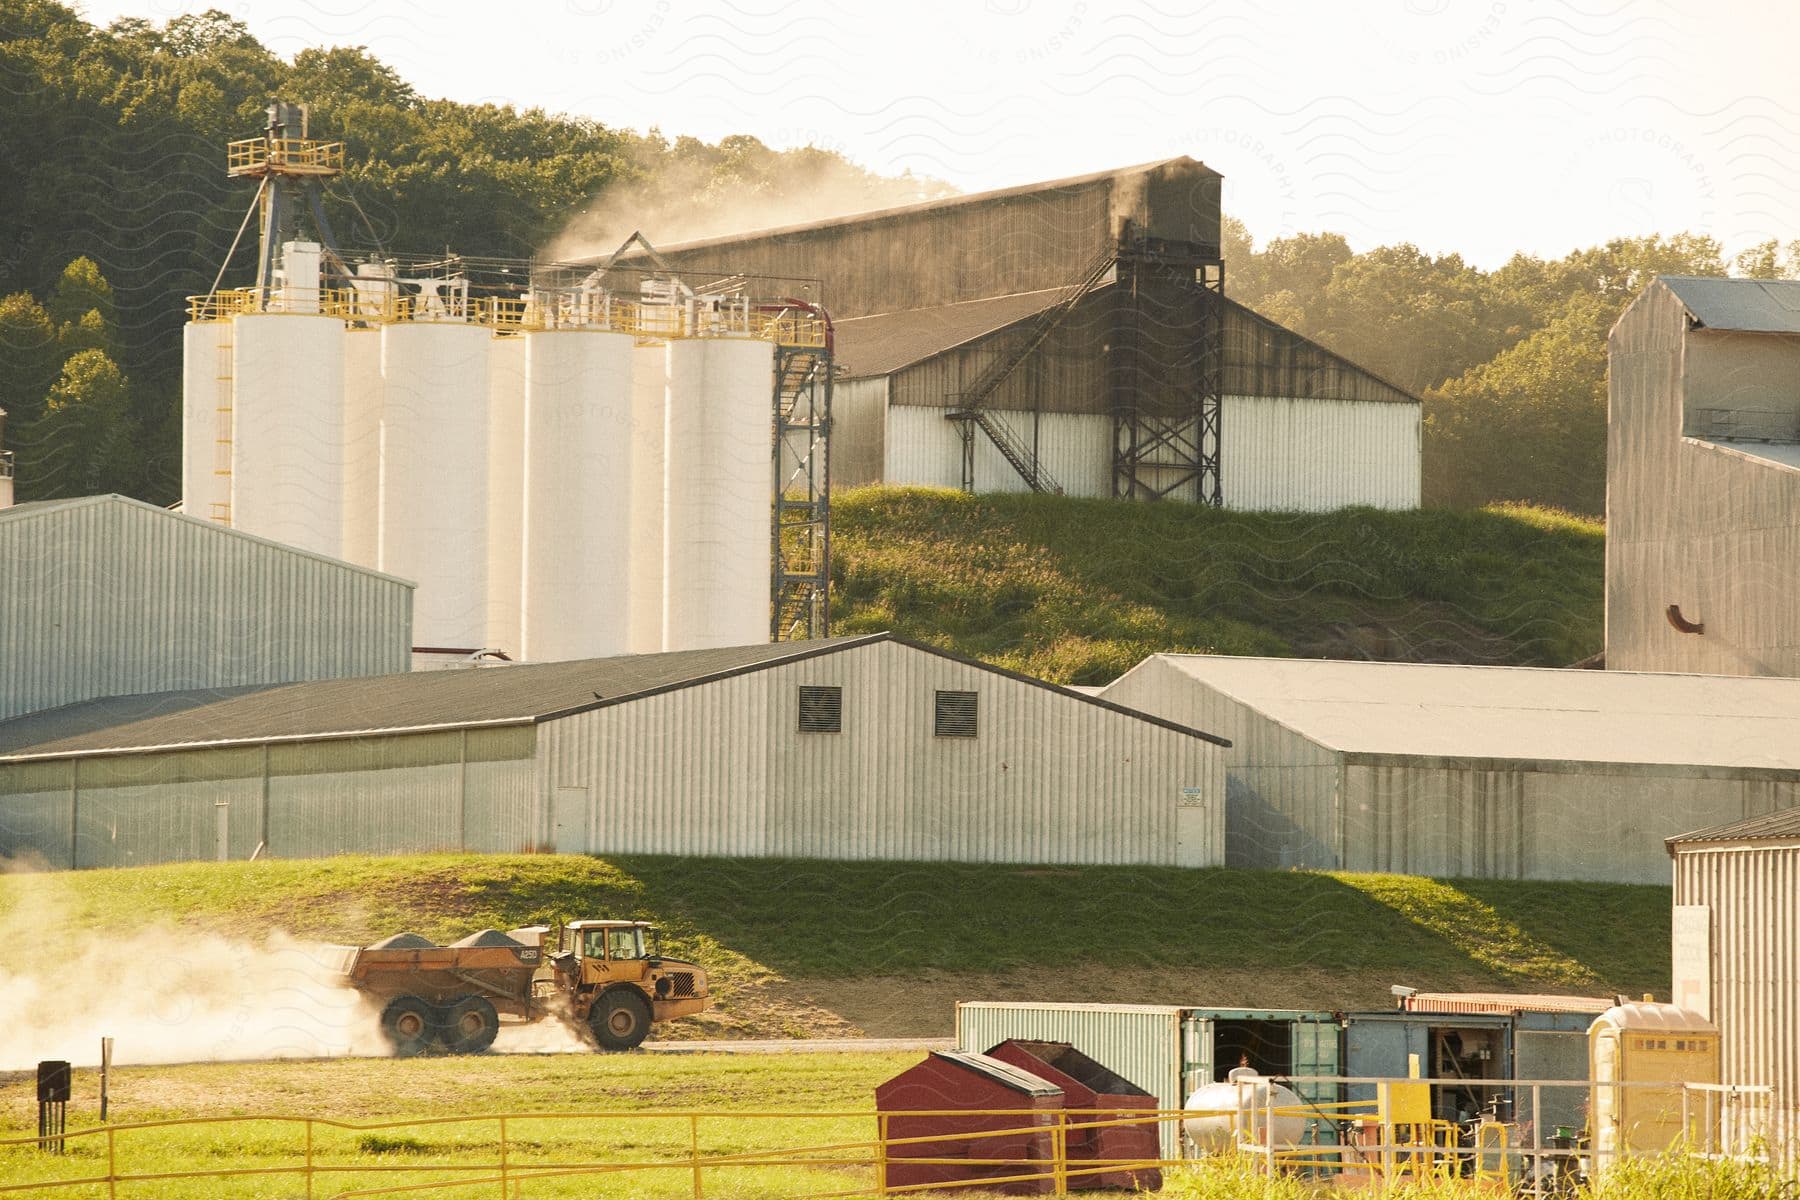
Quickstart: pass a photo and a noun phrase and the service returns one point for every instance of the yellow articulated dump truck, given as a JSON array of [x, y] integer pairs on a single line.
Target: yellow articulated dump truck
[[608, 980]]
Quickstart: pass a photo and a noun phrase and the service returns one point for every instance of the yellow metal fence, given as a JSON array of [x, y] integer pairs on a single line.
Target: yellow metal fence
[[526, 1154]]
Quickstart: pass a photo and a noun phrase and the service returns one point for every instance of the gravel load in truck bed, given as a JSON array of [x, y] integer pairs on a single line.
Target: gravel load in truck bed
[[487, 937], [405, 941]]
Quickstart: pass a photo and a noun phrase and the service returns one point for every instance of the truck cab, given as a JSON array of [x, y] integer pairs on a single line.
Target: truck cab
[[618, 979]]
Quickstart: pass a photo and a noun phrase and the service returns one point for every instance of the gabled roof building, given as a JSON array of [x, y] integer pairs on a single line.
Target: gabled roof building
[[853, 747]]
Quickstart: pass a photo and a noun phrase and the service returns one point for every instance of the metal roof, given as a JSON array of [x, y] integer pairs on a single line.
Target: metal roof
[[888, 342], [1785, 455], [424, 701], [883, 344], [1656, 1018], [1775, 826], [1742, 305], [1002, 1073], [1517, 713], [416, 701], [40, 508], [879, 214], [1503, 1003]]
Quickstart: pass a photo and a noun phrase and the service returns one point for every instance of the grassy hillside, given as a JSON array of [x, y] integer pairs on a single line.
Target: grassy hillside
[[1079, 591], [806, 947]]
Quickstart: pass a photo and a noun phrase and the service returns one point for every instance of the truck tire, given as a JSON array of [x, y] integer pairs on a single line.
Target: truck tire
[[410, 1025], [620, 1019], [470, 1025]]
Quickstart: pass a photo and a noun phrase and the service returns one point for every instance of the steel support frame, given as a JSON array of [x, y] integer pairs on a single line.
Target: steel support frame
[[800, 526], [1159, 455]]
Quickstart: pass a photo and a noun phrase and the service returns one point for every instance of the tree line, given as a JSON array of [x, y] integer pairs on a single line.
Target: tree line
[[1510, 363]]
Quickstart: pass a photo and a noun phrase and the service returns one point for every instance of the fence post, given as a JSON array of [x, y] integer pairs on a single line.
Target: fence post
[[1059, 1146], [694, 1149], [1268, 1130], [309, 1158], [1537, 1134], [504, 1176], [112, 1164], [881, 1152]]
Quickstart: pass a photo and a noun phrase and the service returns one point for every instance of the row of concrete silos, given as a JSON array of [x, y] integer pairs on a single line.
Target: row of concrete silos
[[559, 494]]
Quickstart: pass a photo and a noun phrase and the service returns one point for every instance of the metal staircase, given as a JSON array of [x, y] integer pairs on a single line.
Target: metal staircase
[[800, 536], [969, 409]]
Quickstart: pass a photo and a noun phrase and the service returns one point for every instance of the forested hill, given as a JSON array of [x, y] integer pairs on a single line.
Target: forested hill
[[114, 206]]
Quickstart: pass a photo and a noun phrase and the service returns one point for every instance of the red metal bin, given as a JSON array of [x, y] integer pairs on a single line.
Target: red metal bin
[[954, 1079], [1089, 1085]]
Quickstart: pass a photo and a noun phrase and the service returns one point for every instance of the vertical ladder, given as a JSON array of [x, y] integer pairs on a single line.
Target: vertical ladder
[[222, 409]]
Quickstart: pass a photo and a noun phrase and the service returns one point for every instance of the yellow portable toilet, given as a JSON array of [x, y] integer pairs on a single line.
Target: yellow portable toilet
[[1648, 1043]]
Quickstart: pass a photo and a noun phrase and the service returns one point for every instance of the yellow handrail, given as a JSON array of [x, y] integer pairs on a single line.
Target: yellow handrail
[[504, 315]]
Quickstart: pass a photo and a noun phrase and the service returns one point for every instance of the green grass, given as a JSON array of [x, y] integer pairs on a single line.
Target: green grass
[[1079, 591], [407, 1094], [752, 921]]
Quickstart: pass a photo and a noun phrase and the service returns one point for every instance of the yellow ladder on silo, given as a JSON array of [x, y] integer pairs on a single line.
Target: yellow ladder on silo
[[221, 509]]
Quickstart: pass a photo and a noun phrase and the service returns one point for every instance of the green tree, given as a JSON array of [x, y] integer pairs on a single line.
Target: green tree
[[83, 442]]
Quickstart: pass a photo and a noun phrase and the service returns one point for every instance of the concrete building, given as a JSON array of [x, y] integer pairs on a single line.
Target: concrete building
[[856, 748], [1703, 479], [1495, 772], [106, 596], [1072, 336], [1736, 953]]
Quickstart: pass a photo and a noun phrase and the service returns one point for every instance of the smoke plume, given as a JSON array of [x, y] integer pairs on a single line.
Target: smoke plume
[[715, 193]]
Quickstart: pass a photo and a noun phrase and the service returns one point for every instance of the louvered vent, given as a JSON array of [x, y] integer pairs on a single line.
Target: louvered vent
[[821, 709], [955, 715]]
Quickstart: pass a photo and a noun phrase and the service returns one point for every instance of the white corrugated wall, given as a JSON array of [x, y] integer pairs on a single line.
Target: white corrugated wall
[[922, 447], [721, 769], [468, 790], [1318, 455], [1752, 893], [1598, 822], [110, 597], [1282, 805], [1275, 454], [1140, 1043]]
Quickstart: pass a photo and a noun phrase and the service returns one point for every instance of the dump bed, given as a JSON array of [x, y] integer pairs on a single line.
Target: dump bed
[[489, 963]]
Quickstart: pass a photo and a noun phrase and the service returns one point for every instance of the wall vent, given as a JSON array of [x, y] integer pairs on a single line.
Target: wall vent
[[955, 715], [821, 709]]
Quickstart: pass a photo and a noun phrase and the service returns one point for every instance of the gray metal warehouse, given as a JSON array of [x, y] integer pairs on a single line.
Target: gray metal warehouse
[[1703, 479], [1073, 336], [861, 747], [1492, 772], [1737, 951], [107, 596]]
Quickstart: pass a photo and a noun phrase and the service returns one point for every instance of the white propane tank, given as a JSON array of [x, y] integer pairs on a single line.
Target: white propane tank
[[1238, 1105]]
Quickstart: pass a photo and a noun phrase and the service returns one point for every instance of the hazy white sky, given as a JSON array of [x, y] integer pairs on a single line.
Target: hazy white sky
[[1481, 126]]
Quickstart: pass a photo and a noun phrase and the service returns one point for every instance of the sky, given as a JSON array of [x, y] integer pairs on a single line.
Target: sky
[[1476, 126]]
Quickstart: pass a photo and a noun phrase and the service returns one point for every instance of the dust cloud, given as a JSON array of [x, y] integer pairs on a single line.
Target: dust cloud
[[165, 995], [685, 201]]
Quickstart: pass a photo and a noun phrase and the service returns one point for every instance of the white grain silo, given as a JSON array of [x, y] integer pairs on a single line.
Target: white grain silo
[[205, 403], [578, 399], [287, 429], [506, 491], [717, 493], [433, 521], [644, 568], [362, 445]]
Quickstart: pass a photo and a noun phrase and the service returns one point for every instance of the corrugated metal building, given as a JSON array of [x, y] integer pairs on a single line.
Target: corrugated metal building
[[1109, 286], [1301, 429], [1495, 772], [1703, 479], [106, 596], [1736, 951], [863, 747]]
